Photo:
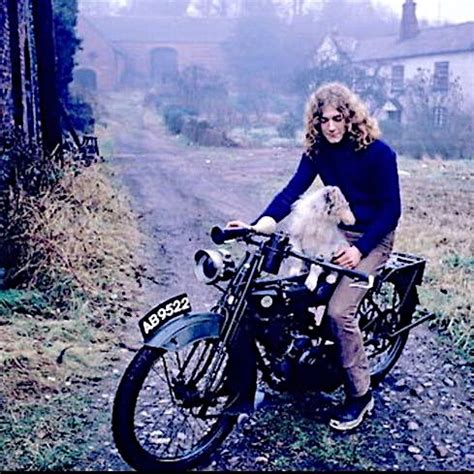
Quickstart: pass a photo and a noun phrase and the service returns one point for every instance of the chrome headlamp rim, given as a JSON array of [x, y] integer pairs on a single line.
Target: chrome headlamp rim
[[213, 265]]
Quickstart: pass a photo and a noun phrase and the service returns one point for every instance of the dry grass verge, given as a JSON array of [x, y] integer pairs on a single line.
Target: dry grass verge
[[437, 224], [76, 278]]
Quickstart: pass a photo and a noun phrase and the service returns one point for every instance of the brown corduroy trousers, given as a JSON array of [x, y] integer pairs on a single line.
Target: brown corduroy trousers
[[344, 324]]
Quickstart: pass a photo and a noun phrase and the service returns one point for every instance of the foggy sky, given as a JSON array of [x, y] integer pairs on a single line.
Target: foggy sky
[[453, 11]]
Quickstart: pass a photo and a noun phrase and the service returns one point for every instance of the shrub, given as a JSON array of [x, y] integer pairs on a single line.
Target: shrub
[[436, 122], [175, 116], [72, 237], [289, 125]]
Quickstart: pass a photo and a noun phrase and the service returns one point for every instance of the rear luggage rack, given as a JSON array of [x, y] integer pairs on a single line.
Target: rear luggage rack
[[402, 260], [406, 264], [407, 270]]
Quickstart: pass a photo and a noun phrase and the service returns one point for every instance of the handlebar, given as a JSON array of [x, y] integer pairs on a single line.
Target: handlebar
[[219, 236], [354, 274]]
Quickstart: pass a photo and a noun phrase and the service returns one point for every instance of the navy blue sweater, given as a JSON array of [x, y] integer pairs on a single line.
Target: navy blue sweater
[[368, 179]]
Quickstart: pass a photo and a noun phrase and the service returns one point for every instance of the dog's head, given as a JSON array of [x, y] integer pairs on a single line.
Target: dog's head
[[336, 205], [326, 202]]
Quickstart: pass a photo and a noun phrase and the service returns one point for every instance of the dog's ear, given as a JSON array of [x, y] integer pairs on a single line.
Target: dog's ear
[[341, 208], [330, 199], [338, 197]]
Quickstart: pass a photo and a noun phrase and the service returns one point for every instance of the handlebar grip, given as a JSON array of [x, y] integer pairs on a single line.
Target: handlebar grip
[[219, 236]]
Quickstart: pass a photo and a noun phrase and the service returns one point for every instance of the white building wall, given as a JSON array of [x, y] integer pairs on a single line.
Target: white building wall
[[327, 51], [460, 65]]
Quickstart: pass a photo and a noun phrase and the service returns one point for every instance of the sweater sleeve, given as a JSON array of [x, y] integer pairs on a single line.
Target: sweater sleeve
[[388, 202], [301, 180]]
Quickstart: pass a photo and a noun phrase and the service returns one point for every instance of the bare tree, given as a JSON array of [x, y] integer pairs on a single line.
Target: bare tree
[[298, 7], [360, 19], [163, 7], [219, 8], [257, 7]]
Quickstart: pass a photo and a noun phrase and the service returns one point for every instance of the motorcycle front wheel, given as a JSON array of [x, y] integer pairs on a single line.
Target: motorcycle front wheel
[[169, 409]]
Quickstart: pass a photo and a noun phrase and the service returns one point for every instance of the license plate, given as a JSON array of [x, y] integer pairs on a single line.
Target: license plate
[[162, 313]]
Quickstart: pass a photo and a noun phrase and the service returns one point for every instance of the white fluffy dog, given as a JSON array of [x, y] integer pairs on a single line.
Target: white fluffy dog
[[313, 228]]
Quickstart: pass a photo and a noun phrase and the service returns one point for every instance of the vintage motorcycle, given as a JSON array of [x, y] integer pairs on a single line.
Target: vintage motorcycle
[[174, 405]]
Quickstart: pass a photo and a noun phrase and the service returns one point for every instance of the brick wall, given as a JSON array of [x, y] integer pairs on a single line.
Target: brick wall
[[19, 102], [130, 62], [207, 55], [99, 56], [29, 72], [6, 104]]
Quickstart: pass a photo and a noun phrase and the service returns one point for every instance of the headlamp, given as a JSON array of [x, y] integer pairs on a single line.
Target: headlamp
[[213, 265]]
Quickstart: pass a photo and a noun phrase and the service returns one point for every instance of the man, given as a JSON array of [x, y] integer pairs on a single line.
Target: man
[[343, 148]]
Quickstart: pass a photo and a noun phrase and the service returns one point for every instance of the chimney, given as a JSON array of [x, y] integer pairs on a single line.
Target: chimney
[[409, 24]]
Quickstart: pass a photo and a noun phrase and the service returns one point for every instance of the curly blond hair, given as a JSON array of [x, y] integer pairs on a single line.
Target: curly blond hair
[[362, 128]]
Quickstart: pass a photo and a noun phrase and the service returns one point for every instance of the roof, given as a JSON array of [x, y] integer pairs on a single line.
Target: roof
[[141, 29], [84, 23], [345, 44], [429, 41]]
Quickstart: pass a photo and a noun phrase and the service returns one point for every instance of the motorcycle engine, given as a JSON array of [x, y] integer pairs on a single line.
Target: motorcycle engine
[[300, 358], [305, 366], [298, 362], [318, 369]]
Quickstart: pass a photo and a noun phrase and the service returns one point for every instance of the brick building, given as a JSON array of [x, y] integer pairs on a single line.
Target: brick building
[[29, 105], [147, 51], [18, 73], [28, 99]]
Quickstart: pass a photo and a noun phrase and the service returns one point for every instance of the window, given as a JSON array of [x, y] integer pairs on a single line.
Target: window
[[394, 115], [398, 73], [439, 116], [441, 76]]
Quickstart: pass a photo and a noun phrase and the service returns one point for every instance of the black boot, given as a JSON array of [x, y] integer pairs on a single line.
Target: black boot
[[350, 414]]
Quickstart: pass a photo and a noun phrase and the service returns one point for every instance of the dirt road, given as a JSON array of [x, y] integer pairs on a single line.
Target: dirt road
[[423, 418]]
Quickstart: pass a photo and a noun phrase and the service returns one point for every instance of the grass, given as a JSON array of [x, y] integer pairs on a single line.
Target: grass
[[38, 436], [50, 364], [437, 224], [310, 445], [78, 275]]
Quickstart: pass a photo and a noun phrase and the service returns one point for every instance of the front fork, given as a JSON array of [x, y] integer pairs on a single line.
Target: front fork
[[236, 335]]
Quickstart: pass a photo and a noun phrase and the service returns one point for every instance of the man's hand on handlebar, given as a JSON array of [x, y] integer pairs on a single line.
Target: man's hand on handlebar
[[236, 224], [265, 225]]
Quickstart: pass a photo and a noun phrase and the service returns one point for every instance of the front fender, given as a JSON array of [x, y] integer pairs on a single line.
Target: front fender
[[185, 329]]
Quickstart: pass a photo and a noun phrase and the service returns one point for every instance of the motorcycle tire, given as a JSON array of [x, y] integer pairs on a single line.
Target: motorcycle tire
[[161, 419], [380, 315]]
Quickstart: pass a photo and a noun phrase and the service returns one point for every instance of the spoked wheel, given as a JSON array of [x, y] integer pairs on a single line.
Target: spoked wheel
[[169, 407], [380, 316]]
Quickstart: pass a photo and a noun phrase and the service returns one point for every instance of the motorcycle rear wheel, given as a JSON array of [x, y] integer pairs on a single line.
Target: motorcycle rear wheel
[[163, 417], [379, 316]]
